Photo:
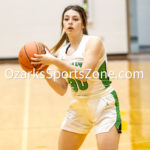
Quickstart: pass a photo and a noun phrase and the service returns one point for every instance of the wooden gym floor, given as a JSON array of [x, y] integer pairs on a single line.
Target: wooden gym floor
[[31, 112]]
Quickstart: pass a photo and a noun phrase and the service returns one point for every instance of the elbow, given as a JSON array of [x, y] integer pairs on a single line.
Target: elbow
[[61, 93]]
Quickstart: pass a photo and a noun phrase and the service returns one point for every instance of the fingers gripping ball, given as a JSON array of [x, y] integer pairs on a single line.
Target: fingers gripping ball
[[28, 51]]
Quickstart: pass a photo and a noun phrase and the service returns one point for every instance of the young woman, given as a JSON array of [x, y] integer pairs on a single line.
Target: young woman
[[94, 102]]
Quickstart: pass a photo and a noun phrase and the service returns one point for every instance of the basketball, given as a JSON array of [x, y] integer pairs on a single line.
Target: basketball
[[28, 51]]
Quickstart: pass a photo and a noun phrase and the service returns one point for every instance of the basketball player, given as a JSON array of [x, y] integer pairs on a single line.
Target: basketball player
[[94, 102]]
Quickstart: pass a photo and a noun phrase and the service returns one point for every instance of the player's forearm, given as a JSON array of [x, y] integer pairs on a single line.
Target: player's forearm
[[58, 85]]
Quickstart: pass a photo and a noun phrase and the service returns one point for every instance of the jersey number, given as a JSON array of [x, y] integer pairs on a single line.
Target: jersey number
[[75, 84]]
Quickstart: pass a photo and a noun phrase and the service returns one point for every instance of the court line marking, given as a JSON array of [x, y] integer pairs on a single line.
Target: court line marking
[[26, 115]]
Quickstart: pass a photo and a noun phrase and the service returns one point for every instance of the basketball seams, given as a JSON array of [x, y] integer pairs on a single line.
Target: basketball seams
[[26, 54], [37, 47], [35, 66], [28, 51]]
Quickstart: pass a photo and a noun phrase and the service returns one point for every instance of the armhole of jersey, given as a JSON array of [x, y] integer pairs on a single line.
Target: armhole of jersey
[[62, 51], [67, 49]]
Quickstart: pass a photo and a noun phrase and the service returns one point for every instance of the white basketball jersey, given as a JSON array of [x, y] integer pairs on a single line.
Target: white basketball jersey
[[97, 83]]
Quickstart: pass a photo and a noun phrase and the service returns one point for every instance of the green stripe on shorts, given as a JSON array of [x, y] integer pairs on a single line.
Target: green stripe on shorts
[[118, 120]]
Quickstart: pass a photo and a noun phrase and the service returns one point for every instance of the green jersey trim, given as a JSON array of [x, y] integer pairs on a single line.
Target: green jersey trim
[[103, 75]]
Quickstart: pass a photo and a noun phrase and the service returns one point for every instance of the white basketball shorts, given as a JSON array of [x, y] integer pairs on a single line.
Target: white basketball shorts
[[99, 113]]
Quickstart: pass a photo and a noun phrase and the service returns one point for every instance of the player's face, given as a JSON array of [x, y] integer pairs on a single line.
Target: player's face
[[72, 22]]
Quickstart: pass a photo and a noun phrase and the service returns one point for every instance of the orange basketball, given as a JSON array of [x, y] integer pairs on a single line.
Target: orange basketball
[[28, 51]]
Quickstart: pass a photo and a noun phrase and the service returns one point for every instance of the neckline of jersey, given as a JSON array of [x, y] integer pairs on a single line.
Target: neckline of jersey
[[77, 48]]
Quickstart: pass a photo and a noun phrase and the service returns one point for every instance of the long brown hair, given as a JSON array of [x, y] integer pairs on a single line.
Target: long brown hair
[[64, 37]]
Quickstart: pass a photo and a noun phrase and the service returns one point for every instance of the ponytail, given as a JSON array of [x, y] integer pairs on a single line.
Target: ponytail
[[63, 39], [85, 31]]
